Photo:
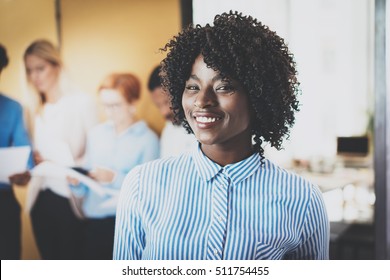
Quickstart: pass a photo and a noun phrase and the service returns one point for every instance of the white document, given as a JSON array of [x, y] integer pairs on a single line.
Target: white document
[[13, 160], [49, 169]]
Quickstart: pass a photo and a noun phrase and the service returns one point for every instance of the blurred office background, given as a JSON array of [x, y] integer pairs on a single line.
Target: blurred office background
[[340, 139]]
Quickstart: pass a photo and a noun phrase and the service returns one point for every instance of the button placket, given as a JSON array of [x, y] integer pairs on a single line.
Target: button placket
[[217, 233]]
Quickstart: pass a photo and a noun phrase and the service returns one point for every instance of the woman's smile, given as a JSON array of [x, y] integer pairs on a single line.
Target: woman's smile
[[206, 120]]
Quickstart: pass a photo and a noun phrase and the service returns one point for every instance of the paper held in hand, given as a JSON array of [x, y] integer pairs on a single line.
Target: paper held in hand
[[49, 169], [13, 160]]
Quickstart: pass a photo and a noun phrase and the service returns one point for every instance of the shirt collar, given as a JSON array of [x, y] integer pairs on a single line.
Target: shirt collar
[[237, 172]]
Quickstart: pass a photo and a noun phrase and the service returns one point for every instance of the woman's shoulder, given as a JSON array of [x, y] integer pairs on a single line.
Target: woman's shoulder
[[291, 186], [153, 170], [168, 164], [289, 177], [7, 101]]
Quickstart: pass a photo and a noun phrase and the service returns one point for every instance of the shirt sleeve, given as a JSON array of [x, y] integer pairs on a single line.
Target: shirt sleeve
[[20, 136], [315, 232], [79, 190], [129, 234]]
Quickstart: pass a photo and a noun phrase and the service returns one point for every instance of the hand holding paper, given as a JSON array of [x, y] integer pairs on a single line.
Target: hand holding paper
[[50, 169], [20, 179], [102, 175], [72, 181], [13, 160]]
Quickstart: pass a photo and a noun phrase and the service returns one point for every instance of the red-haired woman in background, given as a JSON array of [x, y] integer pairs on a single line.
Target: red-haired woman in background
[[113, 149]]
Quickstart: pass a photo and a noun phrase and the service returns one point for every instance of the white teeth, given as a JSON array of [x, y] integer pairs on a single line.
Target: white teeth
[[206, 119]]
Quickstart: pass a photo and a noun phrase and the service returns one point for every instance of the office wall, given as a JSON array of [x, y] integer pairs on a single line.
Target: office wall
[[104, 36], [22, 21]]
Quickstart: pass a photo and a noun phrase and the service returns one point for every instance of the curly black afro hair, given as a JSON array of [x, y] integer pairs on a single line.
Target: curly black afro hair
[[243, 49]]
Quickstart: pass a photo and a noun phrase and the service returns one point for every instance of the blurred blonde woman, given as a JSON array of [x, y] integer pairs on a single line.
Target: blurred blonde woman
[[62, 119], [113, 149]]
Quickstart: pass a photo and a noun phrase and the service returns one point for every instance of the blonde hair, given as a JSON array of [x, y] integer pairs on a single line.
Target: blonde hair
[[127, 84], [45, 50]]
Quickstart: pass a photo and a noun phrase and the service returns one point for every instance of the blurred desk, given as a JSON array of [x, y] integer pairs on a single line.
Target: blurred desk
[[348, 193], [340, 178]]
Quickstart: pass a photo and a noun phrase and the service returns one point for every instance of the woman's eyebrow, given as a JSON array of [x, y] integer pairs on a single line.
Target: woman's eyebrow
[[215, 78], [194, 77]]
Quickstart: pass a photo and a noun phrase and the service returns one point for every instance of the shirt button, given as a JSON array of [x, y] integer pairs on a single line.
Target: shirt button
[[216, 252], [220, 218]]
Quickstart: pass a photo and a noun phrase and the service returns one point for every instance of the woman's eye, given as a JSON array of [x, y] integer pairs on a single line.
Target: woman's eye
[[225, 88], [191, 88]]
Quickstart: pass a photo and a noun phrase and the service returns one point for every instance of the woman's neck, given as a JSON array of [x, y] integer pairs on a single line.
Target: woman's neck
[[224, 155], [53, 95], [121, 126]]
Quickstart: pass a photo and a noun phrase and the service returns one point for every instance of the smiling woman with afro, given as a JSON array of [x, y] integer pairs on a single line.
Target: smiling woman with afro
[[233, 84]]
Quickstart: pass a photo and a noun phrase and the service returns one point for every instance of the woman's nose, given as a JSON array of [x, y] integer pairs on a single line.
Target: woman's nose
[[33, 76], [206, 98]]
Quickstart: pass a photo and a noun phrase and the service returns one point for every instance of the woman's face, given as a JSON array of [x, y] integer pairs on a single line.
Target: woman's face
[[216, 109], [42, 74], [161, 100], [116, 107]]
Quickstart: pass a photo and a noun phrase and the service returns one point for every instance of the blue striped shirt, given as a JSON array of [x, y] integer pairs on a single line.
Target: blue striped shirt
[[189, 207]]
